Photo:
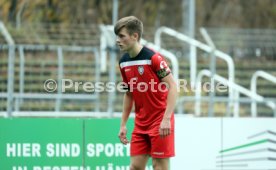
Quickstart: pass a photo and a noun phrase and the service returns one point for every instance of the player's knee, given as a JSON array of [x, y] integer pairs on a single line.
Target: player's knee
[[134, 166], [160, 164], [156, 165]]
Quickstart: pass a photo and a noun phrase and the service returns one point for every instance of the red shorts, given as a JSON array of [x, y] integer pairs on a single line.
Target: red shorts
[[152, 144]]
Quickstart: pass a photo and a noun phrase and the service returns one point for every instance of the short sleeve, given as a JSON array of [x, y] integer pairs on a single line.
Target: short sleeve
[[160, 66]]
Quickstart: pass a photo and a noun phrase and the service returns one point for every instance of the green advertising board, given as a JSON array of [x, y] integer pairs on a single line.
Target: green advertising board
[[63, 144]]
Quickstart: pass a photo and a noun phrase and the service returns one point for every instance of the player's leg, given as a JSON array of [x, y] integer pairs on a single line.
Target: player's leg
[[139, 151], [162, 148], [139, 162], [160, 163]]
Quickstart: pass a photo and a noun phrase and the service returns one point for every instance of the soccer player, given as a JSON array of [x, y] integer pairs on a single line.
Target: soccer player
[[153, 90]]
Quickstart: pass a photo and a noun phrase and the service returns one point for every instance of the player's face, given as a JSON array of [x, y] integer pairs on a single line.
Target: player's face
[[125, 41]]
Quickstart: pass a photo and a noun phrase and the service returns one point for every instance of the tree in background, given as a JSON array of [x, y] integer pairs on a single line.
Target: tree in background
[[154, 13]]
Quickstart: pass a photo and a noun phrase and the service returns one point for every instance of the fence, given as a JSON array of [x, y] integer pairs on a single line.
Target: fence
[[234, 89], [27, 75], [22, 64]]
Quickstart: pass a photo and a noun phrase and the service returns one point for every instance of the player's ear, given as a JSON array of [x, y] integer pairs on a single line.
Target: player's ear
[[136, 36]]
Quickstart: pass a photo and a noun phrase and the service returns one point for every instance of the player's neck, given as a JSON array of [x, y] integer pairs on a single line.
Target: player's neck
[[135, 50]]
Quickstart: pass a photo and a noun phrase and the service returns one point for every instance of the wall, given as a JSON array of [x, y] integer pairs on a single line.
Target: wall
[[71, 144]]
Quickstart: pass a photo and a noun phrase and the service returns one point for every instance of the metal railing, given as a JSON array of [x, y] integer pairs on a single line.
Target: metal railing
[[193, 58], [253, 87], [18, 97], [6, 34], [14, 100], [182, 37], [237, 89], [212, 66]]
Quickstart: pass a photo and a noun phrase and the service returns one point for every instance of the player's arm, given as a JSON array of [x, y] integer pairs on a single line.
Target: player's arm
[[172, 95], [127, 106], [165, 127], [163, 72]]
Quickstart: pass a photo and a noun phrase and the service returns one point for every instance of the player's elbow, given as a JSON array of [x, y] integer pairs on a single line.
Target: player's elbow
[[128, 94], [172, 85]]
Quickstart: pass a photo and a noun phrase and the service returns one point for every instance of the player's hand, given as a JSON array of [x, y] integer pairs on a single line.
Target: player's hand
[[165, 128], [122, 135]]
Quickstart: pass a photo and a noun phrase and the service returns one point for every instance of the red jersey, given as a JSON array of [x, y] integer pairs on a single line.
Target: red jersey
[[143, 75]]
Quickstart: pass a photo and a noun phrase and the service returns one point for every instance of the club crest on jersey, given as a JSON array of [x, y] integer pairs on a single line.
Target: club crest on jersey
[[140, 70]]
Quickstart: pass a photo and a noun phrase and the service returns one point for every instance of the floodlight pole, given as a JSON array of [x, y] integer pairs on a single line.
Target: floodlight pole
[[188, 21], [115, 11]]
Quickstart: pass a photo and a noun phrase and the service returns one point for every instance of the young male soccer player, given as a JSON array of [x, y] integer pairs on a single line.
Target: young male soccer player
[[153, 90]]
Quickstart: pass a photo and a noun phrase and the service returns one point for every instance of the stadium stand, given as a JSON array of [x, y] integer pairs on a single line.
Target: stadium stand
[[41, 65]]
